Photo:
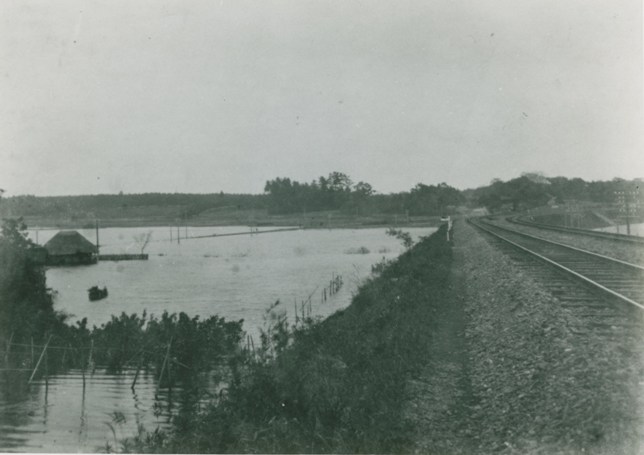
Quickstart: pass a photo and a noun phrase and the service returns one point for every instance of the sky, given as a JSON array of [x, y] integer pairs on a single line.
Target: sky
[[223, 95]]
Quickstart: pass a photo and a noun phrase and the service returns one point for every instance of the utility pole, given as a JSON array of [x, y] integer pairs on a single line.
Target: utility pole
[[575, 215], [628, 204]]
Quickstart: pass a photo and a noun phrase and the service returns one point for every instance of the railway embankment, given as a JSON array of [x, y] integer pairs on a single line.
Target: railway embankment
[[529, 374]]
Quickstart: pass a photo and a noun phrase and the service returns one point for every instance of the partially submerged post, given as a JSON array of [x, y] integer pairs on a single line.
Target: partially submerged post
[[165, 361], [79, 354], [136, 375], [91, 352], [42, 354]]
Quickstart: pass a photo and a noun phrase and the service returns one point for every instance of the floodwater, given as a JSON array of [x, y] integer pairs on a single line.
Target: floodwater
[[68, 414], [235, 277], [636, 229]]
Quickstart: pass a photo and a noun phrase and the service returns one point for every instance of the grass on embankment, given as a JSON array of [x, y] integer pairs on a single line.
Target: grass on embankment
[[332, 386]]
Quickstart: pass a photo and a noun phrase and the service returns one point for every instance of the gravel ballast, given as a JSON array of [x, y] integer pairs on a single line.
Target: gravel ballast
[[508, 374]]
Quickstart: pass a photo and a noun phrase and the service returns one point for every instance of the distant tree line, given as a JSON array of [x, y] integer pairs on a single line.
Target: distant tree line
[[282, 195], [173, 205], [534, 190], [338, 192], [334, 192]]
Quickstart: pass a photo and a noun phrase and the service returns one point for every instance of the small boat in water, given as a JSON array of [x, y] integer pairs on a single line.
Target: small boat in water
[[95, 293]]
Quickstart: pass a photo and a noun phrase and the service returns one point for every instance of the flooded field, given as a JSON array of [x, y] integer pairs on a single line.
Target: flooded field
[[235, 277], [636, 229]]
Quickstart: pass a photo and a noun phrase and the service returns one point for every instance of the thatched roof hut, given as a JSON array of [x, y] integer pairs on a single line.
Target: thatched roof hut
[[70, 247]]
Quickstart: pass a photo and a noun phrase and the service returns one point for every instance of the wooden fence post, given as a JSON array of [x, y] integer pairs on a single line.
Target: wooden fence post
[[90, 356], [6, 354]]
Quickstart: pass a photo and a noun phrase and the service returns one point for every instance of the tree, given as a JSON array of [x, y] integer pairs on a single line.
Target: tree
[[281, 192], [363, 189], [143, 239], [14, 232], [339, 182], [26, 305], [334, 192], [433, 199]]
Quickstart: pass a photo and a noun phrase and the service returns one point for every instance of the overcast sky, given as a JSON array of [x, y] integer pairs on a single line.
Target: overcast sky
[[222, 95]]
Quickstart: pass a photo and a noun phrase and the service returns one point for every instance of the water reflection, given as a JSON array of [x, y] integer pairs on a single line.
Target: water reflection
[[71, 412]]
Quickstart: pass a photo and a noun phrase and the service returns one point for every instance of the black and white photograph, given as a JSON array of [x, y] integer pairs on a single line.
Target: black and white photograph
[[322, 226]]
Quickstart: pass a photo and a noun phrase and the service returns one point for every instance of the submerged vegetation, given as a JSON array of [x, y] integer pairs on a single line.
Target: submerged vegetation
[[359, 250], [174, 344], [186, 345], [404, 237]]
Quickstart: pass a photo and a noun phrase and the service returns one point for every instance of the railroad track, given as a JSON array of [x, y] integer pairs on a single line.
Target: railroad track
[[619, 279], [632, 239]]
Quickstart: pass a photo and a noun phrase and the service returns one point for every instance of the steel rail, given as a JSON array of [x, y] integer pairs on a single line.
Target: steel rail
[[560, 266], [570, 247], [587, 232]]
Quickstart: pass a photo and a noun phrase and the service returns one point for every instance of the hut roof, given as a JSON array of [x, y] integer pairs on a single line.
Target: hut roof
[[69, 242]]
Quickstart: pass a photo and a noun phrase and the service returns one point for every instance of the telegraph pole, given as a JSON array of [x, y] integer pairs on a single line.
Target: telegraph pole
[[627, 210], [628, 203]]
